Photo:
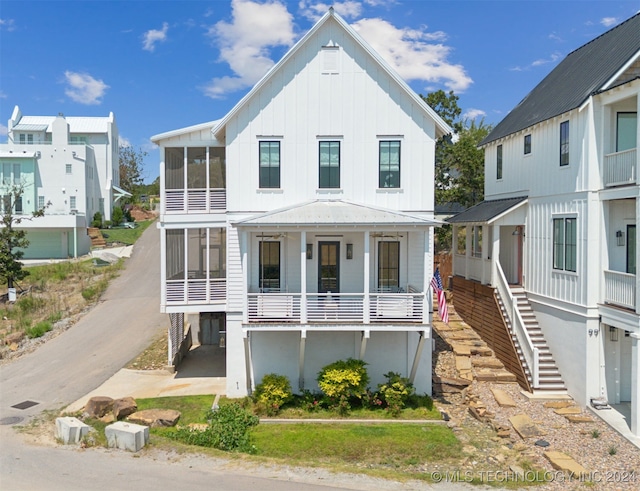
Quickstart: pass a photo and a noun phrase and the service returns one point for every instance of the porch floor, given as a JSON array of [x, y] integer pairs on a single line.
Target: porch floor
[[618, 417]]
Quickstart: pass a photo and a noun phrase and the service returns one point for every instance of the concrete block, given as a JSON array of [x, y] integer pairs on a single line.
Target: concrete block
[[70, 430], [127, 436]]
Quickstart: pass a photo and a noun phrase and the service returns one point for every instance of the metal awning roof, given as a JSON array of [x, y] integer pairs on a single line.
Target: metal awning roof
[[334, 213], [488, 211], [30, 127], [9, 154]]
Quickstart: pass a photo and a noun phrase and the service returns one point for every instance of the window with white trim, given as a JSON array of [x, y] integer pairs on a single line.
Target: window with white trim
[[389, 161], [499, 162], [564, 143], [565, 240], [269, 159], [329, 164]]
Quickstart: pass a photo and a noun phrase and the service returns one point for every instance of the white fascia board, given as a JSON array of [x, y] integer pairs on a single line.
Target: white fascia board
[[506, 212], [183, 131], [622, 69]]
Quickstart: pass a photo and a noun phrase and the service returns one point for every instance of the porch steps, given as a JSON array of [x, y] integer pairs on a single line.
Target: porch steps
[[550, 378], [97, 240]]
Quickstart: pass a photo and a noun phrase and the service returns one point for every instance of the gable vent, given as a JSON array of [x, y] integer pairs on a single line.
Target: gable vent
[[330, 59]]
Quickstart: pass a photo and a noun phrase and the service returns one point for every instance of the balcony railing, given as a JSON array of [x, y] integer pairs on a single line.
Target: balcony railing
[[195, 200], [322, 308], [620, 168], [196, 291], [620, 289]]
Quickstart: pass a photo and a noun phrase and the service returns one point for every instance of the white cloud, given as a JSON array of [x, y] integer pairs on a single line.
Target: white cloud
[[83, 88], [3, 130], [608, 21], [536, 63], [472, 113], [7, 25], [154, 36], [245, 43], [348, 9], [412, 53], [124, 141], [555, 37]]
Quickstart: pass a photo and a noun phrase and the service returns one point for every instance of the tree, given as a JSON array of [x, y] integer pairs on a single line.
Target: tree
[[459, 164], [13, 241], [131, 163]]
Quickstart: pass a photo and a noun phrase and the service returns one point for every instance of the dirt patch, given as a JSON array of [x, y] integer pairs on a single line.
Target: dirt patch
[[153, 358]]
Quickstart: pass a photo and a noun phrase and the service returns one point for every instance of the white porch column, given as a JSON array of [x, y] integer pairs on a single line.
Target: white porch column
[[244, 253], [495, 255], [303, 277], [163, 190], [367, 275], [637, 251], [427, 273], [467, 250], [635, 384], [163, 267], [486, 267]]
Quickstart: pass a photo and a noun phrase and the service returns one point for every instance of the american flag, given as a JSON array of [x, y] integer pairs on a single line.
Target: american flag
[[436, 284]]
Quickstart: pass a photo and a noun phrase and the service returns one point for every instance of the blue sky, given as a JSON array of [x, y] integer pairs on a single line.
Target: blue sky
[[162, 65]]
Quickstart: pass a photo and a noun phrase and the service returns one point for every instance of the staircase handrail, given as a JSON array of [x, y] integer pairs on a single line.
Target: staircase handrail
[[530, 352]]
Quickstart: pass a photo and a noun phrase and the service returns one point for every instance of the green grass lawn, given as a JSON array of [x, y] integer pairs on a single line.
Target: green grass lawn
[[126, 235], [192, 408]]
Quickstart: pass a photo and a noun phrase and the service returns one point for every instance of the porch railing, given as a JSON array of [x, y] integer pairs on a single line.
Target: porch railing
[[336, 307], [620, 168], [620, 289], [195, 200], [181, 292], [529, 351]]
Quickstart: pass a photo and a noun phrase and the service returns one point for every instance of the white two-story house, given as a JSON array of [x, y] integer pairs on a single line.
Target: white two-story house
[[299, 227], [556, 235], [67, 165]]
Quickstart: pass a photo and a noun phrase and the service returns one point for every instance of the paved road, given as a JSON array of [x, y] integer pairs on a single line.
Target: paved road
[[97, 346]]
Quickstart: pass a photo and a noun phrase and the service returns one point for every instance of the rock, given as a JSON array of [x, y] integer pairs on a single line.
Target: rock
[[485, 376], [502, 398], [505, 376], [155, 417], [525, 427], [449, 384], [557, 404], [14, 338], [574, 418], [463, 363], [97, 407], [485, 362], [563, 462], [461, 349], [568, 410], [124, 407]]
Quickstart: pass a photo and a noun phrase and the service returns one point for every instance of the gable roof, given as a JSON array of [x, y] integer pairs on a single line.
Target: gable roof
[[334, 213], [442, 128], [582, 73], [487, 211]]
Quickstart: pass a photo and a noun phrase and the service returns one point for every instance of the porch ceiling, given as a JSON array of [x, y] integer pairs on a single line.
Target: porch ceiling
[[334, 213]]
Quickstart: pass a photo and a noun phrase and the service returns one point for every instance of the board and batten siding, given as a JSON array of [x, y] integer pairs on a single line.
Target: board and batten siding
[[541, 278], [539, 173], [235, 289], [359, 106]]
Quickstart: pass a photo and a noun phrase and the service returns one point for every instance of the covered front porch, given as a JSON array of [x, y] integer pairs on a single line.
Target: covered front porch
[[336, 263]]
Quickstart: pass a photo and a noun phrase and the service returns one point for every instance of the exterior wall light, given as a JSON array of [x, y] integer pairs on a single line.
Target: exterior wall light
[[620, 237], [349, 251]]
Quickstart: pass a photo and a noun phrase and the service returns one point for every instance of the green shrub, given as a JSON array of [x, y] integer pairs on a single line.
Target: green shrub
[[343, 380], [117, 216], [228, 430], [271, 393], [97, 220], [396, 392], [38, 330]]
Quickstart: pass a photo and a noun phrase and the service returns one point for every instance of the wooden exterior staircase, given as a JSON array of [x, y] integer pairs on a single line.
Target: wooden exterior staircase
[[549, 378], [97, 240]]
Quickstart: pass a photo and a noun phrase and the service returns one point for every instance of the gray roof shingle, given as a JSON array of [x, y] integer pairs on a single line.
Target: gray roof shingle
[[582, 73]]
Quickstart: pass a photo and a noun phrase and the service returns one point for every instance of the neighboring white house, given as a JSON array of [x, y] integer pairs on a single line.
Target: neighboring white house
[[562, 206], [68, 165], [299, 227]]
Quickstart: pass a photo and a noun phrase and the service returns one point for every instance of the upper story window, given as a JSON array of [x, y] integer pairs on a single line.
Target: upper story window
[[68, 168], [564, 244], [389, 164], [40, 202], [329, 164], [564, 143], [26, 138], [626, 131], [499, 162], [73, 202], [527, 144], [11, 174], [269, 164]]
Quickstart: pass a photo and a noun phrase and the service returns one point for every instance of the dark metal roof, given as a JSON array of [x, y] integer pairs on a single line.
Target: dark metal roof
[[485, 211], [582, 73]]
